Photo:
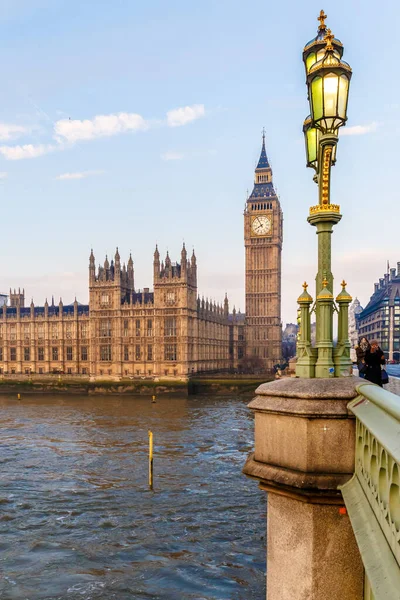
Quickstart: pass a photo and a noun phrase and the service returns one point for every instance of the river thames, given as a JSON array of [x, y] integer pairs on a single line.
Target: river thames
[[77, 518]]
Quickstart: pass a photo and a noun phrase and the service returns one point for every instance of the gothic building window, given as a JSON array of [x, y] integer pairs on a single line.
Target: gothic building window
[[84, 330], [54, 353], [170, 326], [68, 331], [126, 352], [41, 332], [137, 352], [1, 353], [13, 354], [69, 353], [105, 352], [149, 352], [137, 327], [54, 332], [40, 353], [26, 333], [27, 354], [149, 327], [104, 299], [1, 331], [84, 353], [126, 328], [13, 333], [170, 298], [170, 352], [105, 328]]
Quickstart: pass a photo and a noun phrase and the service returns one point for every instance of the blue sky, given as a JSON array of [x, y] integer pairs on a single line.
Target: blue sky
[[130, 123]]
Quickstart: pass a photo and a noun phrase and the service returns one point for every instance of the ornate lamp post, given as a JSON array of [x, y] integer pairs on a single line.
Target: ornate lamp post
[[328, 79]]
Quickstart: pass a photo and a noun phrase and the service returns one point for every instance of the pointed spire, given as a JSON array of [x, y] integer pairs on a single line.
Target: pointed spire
[[263, 160], [52, 300], [156, 253], [91, 257], [106, 263], [130, 261], [117, 257]]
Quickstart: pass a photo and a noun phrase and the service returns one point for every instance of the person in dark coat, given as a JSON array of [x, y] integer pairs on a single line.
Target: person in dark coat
[[363, 346], [374, 359]]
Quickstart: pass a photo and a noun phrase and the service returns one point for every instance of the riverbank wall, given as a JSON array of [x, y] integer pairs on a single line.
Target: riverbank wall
[[235, 384]]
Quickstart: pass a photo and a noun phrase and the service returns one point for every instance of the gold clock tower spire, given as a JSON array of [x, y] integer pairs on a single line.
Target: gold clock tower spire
[[263, 221]]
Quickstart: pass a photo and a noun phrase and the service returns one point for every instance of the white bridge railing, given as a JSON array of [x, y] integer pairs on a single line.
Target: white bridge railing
[[372, 496]]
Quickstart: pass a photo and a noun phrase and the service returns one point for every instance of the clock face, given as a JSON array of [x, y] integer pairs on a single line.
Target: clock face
[[261, 225]]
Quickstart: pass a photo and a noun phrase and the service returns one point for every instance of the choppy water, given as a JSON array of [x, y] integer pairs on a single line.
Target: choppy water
[[77, 520]]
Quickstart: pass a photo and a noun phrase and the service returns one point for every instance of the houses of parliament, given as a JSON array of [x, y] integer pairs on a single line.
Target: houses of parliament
[[169, 331]]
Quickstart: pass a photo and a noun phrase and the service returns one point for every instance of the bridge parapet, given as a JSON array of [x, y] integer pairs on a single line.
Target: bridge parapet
[[372, 496]]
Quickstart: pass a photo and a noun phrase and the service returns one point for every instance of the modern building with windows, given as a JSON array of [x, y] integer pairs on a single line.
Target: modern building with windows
[[380, 319]]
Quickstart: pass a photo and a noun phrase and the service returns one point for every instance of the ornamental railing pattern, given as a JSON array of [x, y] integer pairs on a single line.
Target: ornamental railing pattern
[[378, 473], [372, 497]]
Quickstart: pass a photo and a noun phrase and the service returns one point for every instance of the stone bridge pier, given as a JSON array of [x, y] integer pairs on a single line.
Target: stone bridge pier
[[304, 450]]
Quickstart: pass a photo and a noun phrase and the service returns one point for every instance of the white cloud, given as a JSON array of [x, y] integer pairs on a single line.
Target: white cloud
[[80, 175], [67, 131], [185, 115], [100, 126], [172, 156], [359, 129], [8, 132], [25, 151], [3, 175]]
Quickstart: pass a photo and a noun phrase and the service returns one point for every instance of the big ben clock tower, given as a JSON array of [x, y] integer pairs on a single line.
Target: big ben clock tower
[[263, 236]]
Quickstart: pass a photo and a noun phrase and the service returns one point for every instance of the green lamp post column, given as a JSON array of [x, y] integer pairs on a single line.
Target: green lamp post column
[[342, 360], [306, 355], [324, 365], [328, 82]]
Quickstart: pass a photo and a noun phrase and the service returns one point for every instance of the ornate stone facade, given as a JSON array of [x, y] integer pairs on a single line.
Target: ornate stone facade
[[124, 332], [263, 236], [380, 319], [167, 332]]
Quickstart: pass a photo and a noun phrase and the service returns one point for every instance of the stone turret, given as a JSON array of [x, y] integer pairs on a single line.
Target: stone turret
[[92, 267]]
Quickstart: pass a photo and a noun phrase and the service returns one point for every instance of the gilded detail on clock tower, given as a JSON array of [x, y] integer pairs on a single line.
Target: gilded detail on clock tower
[[263, 234]]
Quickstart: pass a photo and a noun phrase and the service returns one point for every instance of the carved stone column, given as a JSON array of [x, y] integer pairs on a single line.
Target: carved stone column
[[304, 449]]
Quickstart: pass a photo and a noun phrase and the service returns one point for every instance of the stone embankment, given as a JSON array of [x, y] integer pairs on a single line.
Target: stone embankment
[[84, 385]]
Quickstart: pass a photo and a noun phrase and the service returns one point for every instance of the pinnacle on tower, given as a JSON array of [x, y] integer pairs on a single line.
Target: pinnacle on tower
[[156, 254], [263, 160], [91, 258], [263, 186]]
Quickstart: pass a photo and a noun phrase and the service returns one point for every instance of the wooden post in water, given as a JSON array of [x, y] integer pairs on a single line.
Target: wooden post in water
[[151, 459]]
